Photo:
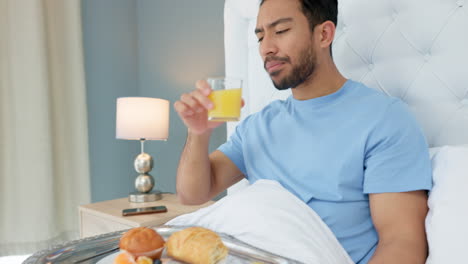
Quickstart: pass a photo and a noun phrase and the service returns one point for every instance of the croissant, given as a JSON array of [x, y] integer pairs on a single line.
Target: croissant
[[196, 245]]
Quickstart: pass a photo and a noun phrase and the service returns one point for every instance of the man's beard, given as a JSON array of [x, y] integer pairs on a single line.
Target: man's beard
[[300, 72]]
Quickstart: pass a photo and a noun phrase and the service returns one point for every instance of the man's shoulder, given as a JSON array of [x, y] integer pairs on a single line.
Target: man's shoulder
[[372, 99], [369, 93]]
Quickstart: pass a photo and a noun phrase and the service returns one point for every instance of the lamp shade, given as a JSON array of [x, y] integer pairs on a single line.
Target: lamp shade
[[142, 118]]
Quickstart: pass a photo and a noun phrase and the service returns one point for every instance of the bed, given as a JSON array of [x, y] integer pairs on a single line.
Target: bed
[[414, 50]]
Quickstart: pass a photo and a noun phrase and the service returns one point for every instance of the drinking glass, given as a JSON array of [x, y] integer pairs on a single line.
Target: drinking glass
[[226, 97]]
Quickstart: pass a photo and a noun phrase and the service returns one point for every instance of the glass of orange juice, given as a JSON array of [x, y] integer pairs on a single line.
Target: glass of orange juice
[[226, 97]]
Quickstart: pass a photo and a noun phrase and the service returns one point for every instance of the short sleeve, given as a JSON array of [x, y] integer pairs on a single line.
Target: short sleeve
[[233, 147], [397, 155]]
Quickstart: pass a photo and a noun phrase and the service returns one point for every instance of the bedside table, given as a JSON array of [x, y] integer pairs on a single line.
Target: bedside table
[[103, 217]]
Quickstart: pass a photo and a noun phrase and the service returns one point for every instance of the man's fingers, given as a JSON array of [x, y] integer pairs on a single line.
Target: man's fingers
[[183, 109], [196, 101], [190, 101], [201, 98], [203, 87]]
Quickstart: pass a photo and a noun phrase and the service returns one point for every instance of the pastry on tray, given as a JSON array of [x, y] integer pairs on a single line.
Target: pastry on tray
[[140, 245], [196, 245]]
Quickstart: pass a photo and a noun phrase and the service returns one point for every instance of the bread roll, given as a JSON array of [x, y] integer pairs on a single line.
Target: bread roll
[[142, 241], [196, 245]]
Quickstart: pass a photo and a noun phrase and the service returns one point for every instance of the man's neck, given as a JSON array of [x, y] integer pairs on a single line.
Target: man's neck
[[325, 80]]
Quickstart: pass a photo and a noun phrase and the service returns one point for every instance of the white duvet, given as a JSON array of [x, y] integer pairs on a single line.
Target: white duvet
[[269, 217]]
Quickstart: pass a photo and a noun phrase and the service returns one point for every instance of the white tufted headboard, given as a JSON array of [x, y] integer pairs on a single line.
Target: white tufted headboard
[[416, 50]]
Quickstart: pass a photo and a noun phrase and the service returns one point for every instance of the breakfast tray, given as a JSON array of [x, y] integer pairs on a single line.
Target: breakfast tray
[[103, 248]]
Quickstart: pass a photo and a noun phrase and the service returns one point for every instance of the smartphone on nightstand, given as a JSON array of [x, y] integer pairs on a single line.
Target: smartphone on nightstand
[[144, 210]]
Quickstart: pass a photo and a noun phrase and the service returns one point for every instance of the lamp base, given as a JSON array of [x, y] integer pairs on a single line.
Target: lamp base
[[137, 197]]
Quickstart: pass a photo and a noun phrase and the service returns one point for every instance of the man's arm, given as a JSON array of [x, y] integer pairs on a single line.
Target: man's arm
[[200, 176], [399, 221]]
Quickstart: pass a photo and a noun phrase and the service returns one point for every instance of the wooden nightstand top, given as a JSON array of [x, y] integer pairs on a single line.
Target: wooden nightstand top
[[112, 210]]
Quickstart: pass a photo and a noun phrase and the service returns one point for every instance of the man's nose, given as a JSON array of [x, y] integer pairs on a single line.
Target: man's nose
[[268, 46]]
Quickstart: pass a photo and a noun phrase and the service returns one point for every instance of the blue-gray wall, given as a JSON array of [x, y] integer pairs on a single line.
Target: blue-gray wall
[[151, 48]]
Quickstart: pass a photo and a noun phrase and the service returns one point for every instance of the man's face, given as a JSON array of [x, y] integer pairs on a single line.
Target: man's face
[[286, 43]]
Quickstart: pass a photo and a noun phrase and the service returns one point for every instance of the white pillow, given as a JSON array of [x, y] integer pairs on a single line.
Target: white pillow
[[269, 217], [447, 220]]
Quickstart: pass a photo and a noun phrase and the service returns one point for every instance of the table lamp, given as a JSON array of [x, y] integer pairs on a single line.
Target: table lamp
[[142, 118]]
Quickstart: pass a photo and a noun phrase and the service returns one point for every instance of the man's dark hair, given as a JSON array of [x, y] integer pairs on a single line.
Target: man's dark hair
[[318, 11]]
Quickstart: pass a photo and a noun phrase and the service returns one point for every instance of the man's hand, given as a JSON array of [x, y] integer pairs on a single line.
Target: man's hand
[[193, 109], [399, 221]]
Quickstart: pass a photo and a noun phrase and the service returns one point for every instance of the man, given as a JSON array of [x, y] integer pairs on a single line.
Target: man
[[354, 155]]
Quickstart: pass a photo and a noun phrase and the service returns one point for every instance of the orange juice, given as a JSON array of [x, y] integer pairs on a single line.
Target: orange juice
[[227, 105]]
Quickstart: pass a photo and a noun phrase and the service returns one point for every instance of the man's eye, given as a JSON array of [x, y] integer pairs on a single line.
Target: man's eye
[[260, 39], [282, 31]]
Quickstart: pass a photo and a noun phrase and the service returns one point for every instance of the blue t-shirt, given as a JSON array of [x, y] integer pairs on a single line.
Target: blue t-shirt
[[332, 151]]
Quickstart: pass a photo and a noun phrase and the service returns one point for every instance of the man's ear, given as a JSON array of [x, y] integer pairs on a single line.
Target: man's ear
[[325, 33]]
